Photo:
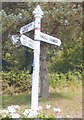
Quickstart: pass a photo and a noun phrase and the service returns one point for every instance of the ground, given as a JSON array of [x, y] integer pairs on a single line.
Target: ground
[[70, 103]]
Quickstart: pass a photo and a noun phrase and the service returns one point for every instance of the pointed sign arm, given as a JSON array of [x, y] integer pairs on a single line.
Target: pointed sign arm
[[50, 39], [26, 41]]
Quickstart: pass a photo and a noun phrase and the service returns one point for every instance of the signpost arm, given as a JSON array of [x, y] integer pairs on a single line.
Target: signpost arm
[[35, 77]]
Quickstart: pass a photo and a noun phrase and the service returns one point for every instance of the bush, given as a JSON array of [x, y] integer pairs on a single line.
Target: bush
[[62, 80], [57, 79], [16, 82]]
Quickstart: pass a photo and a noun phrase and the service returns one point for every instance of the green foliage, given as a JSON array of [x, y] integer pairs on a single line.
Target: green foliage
[[69, 58], [16, 57], [16, 82], [48, 117], [62, 20], [62, 80]]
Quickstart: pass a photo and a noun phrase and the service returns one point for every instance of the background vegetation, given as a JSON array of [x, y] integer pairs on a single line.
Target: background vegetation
[[62, 20], [17, 82]]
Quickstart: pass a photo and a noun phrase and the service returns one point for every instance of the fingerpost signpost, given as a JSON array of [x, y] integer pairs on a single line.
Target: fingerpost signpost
[[35, 81], [35, 45]]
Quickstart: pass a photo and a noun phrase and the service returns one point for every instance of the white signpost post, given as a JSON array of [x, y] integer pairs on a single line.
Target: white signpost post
[[35, 81], [35, 44]]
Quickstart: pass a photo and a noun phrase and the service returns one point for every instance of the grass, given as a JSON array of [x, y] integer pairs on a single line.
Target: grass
[[0, 101], [70, 102], [23, 99], [62, 95]]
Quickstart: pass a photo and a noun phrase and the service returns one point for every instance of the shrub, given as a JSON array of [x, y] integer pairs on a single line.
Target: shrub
[[62, 80], [16, 82]]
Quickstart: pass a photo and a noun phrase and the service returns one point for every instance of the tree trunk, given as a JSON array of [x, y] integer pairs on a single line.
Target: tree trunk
[[44, 87]]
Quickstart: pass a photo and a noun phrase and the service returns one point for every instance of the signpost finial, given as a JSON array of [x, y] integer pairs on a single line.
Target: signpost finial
[[37, 11]]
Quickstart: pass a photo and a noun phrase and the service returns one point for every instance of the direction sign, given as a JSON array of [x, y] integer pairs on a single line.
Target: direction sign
[[49, 39], [26, 41], [15, 38], [35, 44], [27, 28]]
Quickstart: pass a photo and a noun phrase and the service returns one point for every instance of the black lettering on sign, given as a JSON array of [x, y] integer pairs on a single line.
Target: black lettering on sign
[[29, 24], [53, 40], [24, 40], [30, 45], [43, 37], [25, 28]]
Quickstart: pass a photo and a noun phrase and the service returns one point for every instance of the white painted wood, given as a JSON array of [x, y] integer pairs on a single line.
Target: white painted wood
[[49, 39], [27, 28], [26, 41], [35, 77]]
